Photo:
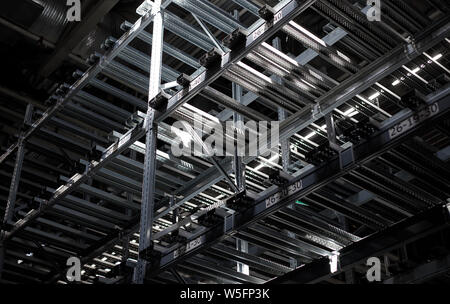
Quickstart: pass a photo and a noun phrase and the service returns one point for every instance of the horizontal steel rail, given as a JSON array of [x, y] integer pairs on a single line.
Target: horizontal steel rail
[[274, 199]]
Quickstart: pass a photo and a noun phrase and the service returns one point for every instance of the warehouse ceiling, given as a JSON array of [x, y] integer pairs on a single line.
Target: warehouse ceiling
[[73, 97]]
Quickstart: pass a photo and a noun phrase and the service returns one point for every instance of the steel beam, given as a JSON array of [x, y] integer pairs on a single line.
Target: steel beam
[[282, 115], [87, 77], [290, 10], [362, 80], [148, 186], [398, 235], [73, 38], [300, 186], [365, 78], [238, 166], [422, 273], [17, 169]]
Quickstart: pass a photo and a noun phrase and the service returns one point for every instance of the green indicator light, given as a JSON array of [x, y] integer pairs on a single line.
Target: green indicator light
[[301, 203]]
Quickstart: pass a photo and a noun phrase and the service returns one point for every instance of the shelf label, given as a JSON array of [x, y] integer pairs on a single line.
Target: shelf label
[[189, 246], [197, 81], [414, 120], [277, 197], [278, 16]]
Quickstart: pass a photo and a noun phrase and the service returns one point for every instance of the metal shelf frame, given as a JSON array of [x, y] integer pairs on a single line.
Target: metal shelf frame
[[274, 88]]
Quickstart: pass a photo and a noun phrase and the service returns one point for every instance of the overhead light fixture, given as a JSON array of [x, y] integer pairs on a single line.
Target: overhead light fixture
[[437, 57], [310, 135], [374, 96], [307, 33], [343, 56], [270, 160], [414, 73], [19, 262], [396, 82], [30, 254], [416, 70], [353, 113], [349, 111]]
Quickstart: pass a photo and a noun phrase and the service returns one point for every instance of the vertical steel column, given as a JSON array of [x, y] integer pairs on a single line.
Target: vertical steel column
[[331, 131], [148, 186], [239, 173], [282, 115], [238, 165], [17, 170], [242, 246]]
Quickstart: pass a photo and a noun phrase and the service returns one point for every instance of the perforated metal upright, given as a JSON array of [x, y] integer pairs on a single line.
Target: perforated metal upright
[[17, 169], [148, 186]]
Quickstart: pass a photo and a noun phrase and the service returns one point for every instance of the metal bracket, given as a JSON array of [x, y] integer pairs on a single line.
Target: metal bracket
[[266, 13], [316, 111], [228, 218], [334, 262], [236, 40], [410, 48], [346, 155]]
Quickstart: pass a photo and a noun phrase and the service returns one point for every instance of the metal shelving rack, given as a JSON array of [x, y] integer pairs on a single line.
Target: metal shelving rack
[[132, 205]]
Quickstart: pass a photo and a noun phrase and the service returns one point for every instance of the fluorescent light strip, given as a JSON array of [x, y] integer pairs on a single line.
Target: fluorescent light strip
[[306, 140], [374, 106], [436, 62], [319, 127], [353, 114], [308, 33], [342, 113], [255, 72], [346, 113], [257, 172], [372, 97], [389, 91], [415, 74], [279, 53], [265, 161], [437, 57], [310, 135], [343, 56], [309, 84]]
